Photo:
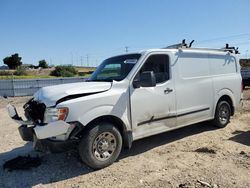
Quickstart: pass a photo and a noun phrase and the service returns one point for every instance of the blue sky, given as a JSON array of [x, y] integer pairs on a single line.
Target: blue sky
[[66, 32]]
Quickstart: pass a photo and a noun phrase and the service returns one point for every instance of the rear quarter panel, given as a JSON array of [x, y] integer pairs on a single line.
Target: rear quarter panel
[[225, 70]]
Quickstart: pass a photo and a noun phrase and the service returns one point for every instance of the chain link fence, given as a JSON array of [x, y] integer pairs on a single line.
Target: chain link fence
[[27, 87]]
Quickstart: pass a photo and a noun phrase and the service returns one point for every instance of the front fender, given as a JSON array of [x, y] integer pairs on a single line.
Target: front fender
[[104, 111]]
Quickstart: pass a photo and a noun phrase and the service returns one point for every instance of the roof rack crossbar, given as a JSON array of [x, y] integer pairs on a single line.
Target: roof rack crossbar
[[231, 49], [183, 44], [179, 45]]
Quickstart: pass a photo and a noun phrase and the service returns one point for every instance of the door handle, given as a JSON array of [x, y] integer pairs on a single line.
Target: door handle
[[168, 90]]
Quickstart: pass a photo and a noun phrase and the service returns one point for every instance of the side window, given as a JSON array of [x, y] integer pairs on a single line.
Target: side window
[[159, 64]]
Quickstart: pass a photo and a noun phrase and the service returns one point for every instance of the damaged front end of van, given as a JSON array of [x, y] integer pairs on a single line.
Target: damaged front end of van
[[45, 123]]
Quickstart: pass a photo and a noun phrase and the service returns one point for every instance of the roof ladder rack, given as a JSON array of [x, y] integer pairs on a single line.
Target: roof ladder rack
[[183, 44], [231, 49]]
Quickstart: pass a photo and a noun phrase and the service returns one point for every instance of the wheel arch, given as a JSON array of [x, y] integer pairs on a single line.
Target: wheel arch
[[117, 122], [228, 99]]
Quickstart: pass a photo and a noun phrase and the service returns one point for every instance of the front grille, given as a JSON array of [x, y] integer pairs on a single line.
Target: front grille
[[34, 111]]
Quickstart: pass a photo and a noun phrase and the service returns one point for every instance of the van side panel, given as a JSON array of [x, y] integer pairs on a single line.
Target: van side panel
[[194, 88]]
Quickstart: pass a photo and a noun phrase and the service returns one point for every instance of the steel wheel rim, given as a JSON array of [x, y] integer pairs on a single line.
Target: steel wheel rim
[[104, 146], [224, 114]]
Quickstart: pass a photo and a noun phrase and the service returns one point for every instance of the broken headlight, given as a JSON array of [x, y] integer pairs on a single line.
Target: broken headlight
[[34, 111]]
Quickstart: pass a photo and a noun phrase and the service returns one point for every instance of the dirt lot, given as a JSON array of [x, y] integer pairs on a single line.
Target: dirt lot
[[167, 160]]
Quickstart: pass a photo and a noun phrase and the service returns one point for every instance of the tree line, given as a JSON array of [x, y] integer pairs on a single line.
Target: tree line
[[14, 61]]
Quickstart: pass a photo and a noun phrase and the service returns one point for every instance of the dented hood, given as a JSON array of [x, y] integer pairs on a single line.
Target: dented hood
[[50, 94]]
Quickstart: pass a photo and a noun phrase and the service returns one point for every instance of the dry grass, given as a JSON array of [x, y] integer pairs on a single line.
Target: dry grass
[[85, 69], [44, 73]]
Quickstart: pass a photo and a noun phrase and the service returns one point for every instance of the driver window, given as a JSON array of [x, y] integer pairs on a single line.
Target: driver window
[[159, 64]]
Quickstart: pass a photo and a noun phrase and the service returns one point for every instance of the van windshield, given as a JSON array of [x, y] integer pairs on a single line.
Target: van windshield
[[115, 68]]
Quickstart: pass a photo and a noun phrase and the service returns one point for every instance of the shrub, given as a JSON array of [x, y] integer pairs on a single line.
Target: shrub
[[21, 71], [5, 73], [64, 71]]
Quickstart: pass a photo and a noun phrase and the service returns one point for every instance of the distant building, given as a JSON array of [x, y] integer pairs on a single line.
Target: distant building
[[28, 66]]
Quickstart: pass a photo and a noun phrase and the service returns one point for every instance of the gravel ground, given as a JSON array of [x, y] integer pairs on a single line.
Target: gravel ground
[[195, 156]]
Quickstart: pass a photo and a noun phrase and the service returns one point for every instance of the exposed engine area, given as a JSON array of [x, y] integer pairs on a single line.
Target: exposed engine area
[[34, 111]]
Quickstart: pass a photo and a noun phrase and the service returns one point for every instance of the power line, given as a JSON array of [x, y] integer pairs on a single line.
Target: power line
[[223, 38], [201, 41], [107, 53], [242, 43]]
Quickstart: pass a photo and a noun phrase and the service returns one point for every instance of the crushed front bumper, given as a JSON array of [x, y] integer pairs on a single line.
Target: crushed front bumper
[[45, 137], [54, 146], [45, 145]]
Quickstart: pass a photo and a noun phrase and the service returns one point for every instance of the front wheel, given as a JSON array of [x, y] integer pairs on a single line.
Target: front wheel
[[222, 114], [101, 145]]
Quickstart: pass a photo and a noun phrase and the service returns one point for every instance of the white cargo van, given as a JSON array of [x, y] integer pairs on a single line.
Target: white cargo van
[[133, 96]]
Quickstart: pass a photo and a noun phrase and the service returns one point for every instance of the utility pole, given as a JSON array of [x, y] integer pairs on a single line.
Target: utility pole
[[72, 59], [81, 61], [126, 49], [87, 60]]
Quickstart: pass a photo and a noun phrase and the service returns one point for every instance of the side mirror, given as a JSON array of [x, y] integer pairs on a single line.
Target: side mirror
[[147, 79]]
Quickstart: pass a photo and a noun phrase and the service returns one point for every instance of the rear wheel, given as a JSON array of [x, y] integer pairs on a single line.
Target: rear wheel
[[100, 146], [222, 114]]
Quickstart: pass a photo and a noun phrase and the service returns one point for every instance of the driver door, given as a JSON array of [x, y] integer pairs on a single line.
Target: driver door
[[153, 109]]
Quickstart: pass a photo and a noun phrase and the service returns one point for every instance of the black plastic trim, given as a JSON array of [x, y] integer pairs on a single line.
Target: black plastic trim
[[53, 146], [26, 133], [128, 139], [169, 117]]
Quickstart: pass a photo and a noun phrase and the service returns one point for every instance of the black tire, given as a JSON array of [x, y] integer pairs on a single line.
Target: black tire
[[222, 114], [101, 145]]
